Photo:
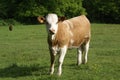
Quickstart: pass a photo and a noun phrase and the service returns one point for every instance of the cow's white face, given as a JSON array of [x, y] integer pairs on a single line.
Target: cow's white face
[[52, 23]]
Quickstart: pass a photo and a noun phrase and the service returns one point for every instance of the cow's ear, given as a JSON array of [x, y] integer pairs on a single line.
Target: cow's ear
[[61, 18], [41, 19]]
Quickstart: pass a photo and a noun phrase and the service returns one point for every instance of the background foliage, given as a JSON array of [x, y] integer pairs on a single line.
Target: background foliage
[[103, 10], [26, 11]]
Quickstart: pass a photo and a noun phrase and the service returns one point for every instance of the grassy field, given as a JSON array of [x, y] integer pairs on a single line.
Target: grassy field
[[24, 55]]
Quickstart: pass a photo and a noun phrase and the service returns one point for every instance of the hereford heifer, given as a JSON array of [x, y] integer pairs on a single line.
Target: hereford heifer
[[64, 34]]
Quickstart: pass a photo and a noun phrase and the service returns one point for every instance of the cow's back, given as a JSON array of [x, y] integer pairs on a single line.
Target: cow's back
[[79, 29]]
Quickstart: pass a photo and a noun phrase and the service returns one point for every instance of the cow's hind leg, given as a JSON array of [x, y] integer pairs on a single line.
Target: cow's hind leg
[[86, 48], [79, 55]]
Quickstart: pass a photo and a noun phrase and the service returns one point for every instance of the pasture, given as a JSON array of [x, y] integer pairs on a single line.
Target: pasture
[[24, 55]]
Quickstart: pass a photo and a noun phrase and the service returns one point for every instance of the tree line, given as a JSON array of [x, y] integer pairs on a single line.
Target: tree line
[[26, 11], [106, 11]]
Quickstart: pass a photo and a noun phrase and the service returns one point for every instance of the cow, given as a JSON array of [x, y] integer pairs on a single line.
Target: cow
[[64, 34]]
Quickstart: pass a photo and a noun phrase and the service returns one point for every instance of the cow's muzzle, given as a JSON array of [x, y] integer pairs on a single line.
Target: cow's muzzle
[[52, 31]]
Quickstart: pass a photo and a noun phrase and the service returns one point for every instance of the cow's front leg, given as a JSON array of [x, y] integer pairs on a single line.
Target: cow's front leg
[[52, 56], [61, 58]]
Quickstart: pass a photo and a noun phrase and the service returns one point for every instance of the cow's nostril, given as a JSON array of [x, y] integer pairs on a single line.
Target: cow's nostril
[[52, 31]]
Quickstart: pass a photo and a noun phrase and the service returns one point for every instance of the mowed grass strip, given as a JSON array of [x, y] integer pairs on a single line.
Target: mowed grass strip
[[24, 55]]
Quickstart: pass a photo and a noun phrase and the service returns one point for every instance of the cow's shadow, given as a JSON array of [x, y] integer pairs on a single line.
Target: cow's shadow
[[19, 71]]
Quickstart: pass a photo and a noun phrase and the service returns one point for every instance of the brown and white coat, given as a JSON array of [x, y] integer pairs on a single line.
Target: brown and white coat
[[71, 33]]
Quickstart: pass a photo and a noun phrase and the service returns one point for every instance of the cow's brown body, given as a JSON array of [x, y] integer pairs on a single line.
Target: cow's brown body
[[76, 29]]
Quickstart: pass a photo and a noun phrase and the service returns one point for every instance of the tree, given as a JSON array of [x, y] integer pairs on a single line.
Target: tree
[[107, 11], [68, 8], [71, 8]]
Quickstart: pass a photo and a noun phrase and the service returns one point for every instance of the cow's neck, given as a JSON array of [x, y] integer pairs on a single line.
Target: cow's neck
[[61, 38]]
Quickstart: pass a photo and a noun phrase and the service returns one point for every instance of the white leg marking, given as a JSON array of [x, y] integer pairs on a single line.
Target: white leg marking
[[79, 56], [61, 58], [86, 48]]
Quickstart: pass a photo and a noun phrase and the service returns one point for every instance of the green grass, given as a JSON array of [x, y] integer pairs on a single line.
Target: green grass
[[24, 55]]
